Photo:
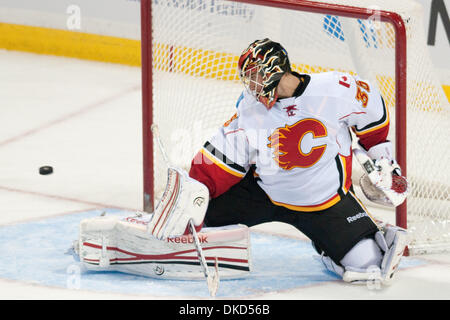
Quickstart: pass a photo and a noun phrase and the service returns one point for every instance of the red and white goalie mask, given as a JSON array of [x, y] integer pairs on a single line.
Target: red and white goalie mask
[[261, 67]]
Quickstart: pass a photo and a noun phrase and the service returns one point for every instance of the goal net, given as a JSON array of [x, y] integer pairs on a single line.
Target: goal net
[[190, 50]]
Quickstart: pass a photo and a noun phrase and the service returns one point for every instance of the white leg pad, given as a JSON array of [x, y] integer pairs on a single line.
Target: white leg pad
[[393, 242], [114, 244], [360, 265], [371, 260], [366, 253], [330, 265], [351, 274]]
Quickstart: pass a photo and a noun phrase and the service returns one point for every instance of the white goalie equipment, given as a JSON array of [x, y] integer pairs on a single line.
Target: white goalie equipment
[[392, 241], [184, 199], [112, 243], [165, 243], [381, 182]]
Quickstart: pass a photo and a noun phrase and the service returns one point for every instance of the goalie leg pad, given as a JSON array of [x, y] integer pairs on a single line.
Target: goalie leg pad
[[393, 242], [350, 274], [360, 265], [372, 260], [124, 245], [364, 254]]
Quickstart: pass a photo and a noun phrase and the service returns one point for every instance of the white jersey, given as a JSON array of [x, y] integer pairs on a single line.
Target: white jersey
[[300, 149]]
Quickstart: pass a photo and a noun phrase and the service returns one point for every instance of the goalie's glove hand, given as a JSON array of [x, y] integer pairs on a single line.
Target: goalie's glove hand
[[184, 199], [382, 182], [389, 177]]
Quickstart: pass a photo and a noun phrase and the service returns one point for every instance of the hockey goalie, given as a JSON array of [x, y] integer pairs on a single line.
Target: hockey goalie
[[286, 155]]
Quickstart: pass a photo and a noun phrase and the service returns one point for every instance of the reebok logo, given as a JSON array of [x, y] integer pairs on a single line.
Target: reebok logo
[[357, 216], [188, 239]]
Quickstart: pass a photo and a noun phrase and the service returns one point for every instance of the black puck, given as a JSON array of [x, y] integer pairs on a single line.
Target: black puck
[[45, 170]]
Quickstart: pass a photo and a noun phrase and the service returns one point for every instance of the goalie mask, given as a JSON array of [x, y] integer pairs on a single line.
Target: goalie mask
[[261, 67]]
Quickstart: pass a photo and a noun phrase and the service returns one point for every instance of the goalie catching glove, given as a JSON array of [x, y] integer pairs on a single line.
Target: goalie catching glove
[[183, 199], [382, 181]]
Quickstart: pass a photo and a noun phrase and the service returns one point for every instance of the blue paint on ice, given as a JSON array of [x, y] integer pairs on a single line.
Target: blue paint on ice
[[35, 252]]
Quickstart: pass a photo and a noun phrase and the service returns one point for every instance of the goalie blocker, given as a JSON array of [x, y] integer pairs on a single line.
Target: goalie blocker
[[183, 200], [110, 243]]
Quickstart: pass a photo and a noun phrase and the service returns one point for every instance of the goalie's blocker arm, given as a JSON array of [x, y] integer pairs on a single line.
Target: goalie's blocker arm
[[183, 199]]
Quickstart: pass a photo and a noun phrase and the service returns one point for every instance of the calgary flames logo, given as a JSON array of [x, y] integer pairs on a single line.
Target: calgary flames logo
[[286, 144]]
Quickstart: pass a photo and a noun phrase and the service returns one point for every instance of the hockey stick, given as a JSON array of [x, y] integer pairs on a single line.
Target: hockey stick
[[212, 281]]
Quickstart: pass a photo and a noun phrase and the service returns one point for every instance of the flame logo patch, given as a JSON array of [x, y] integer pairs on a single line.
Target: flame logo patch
[[286, 144]]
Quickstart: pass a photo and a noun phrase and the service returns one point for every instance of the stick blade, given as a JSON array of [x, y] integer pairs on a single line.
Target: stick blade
[[213, 281]]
